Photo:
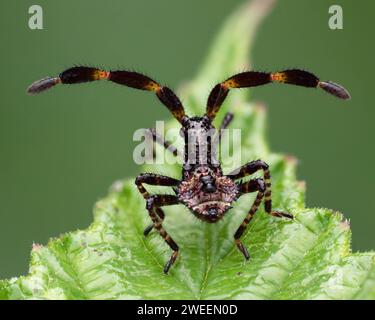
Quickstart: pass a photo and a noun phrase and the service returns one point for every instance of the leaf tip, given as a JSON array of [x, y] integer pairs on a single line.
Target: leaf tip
[[36, 247], [345, 225], [290, 159], [260, 108], [117, 186]]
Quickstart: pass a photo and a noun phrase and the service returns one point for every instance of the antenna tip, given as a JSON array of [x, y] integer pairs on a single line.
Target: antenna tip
[[42, 85], [335, 89]]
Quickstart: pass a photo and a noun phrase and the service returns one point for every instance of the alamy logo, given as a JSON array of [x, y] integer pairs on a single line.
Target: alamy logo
[[196, 146], [336, 20], [36, 18]]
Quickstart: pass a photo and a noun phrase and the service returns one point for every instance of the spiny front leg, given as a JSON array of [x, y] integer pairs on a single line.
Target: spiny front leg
[[228, 118], [156, 180], [165, 143], [160, 213], [247, 187], [251, 168], [152, 203]]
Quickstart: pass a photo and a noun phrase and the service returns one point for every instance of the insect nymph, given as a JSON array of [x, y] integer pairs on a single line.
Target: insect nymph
[[203, 188]]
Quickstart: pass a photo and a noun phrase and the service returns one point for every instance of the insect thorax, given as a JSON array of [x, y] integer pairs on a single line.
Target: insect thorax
[[201, 142], [207, 193]]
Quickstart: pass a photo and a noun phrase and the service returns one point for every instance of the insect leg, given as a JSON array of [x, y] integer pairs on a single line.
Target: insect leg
[[251, 168], [247, 187], [166, 144], [225, 123], [160, 213], [226, 120], [152, 203], [156, 180]]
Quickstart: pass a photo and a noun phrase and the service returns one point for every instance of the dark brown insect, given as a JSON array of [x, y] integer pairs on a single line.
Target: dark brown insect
[[203, 188]]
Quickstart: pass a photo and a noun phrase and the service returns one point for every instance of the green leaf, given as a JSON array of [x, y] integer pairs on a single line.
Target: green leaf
[[309, 258]]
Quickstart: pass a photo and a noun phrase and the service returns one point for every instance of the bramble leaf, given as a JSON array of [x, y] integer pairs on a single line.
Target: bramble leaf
[[308, 258]]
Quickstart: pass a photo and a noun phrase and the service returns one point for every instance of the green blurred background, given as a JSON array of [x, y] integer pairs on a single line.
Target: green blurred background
[[60, 151]]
